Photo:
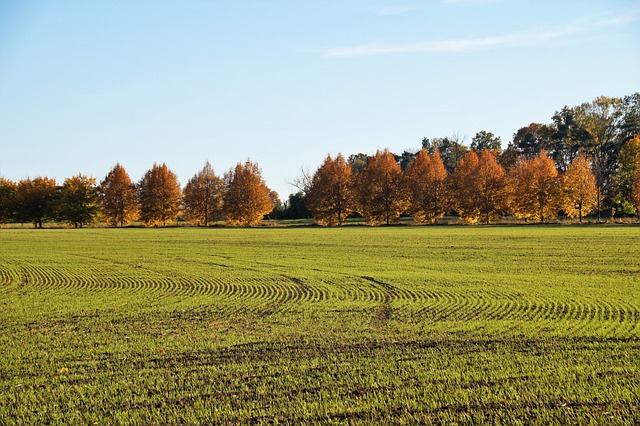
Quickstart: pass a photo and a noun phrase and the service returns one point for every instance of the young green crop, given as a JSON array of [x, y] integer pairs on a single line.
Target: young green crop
[[355, 325]]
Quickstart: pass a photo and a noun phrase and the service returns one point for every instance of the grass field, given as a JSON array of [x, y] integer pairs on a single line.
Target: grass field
[[355, 325]]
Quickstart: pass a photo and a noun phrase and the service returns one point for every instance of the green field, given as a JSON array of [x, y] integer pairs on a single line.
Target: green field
[[354, 325]]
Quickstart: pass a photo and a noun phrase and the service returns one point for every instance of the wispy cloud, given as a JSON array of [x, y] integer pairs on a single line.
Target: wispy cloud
[[474, 44], [459, 45]]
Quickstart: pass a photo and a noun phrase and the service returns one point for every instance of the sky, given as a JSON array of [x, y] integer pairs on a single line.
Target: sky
[[88, 84]]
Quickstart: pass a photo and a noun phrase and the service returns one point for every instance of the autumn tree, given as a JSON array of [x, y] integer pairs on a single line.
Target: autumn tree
[[534, 188], [579, 190], [247, 198], [426, 179], [159, 196], [203, 196], [118, 197], [479, 187], [35, 199], [382, 191], [330, 196], [628, 166], [78, 201], [7, 200]]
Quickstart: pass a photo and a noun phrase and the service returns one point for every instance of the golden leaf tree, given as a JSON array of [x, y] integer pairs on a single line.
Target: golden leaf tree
[[35, 200], [427, 181], [203, 196], [247, 198], [118, 197], [382, 190], [159, 196], [479, 187], [535, 188], [579, 190], [78, 201], [330, 195]]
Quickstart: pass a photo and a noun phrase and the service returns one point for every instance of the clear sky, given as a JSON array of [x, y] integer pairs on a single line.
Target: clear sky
[[87, 84]]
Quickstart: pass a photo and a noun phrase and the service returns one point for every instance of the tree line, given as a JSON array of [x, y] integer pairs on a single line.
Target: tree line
[[587, 160], [241, 197]]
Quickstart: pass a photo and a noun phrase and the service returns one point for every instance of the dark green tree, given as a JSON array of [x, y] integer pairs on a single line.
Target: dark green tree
[[567, 140], [602, 119], [486, 140], [358, 162], [451, 150], [532, 139], [78, 201], [35, 200], [7, 200]]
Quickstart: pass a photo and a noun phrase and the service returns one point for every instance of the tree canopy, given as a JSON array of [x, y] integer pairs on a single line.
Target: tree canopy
[[382, 190], [159, 196], [203, 196], [248, 198], [546, 169], [118, 197], [330, 197]]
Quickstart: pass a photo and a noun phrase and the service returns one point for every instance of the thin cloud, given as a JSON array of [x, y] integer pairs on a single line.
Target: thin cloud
[[474, 44], [460, 45]]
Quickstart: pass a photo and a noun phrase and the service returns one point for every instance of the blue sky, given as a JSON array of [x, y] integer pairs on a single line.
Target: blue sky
[[87, 84]]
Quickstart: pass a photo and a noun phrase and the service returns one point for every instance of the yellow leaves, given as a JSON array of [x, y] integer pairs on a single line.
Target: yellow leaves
[[579, 190], [535, 188]]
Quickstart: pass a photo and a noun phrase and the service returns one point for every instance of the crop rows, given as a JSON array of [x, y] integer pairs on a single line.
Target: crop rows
[[359, 326], [251, 290]]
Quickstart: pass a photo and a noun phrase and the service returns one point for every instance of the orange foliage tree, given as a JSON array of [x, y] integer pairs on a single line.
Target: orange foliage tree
[[534, 188], [203, 196], [330, 195], [78, 201], [118, 197], [479, 187], [247, 198], [579, 190], [35, 200], [382, 190], [427, 178], [159, 195]]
